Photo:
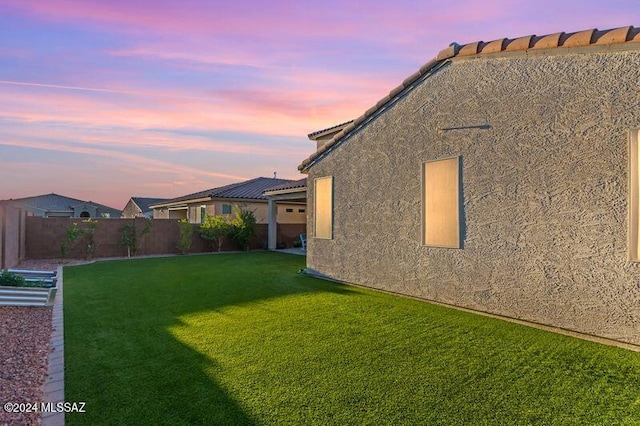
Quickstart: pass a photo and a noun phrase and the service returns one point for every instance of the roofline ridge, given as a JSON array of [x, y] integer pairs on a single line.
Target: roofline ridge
[[584, 38]]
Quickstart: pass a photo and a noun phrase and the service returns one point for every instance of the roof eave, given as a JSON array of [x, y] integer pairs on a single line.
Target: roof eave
[[370, 114], [175, 203]]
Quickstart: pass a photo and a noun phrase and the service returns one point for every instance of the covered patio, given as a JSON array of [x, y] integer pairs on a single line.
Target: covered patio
[[294, 192]]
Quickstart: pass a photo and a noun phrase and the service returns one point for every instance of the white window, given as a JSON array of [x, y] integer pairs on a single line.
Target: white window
[[634, 196], [323, 208], [441, 203]]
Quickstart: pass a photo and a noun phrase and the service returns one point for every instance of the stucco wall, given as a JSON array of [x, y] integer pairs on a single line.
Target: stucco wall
[[544, 191], [131, 210]]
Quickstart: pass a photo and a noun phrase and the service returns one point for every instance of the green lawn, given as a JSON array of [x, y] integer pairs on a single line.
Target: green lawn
[[244, 339]]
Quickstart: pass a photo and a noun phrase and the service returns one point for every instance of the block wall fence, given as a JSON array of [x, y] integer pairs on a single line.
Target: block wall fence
[[44, 236]]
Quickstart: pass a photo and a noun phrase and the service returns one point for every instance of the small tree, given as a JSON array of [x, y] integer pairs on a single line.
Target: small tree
[[89, 229], [70, 239], [214, 229], [244, 228], [186, 231], [130, 236]]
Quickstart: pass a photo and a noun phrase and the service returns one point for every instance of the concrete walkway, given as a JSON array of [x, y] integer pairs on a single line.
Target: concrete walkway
[[297, 251], [54, 383]]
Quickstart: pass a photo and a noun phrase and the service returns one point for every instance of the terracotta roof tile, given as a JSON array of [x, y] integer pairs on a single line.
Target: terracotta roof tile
[[469, 49], [428, 66], [634, 35], [396, 91], [349, 128], [547, 42], [617, 35], [494, 46], [358, 120], [383, 101], [551, 41], [581, 38], [371, 110], [521, 43], [447, 53], [413, 77]]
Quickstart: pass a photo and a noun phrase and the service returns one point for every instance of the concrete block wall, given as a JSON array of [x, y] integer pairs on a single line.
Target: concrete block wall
[[44, 236]]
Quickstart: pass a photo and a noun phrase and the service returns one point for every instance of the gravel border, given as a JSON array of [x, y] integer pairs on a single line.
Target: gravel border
[[24, 353]]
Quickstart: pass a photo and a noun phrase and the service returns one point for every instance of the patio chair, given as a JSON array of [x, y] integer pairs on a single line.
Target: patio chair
[[303, 240]]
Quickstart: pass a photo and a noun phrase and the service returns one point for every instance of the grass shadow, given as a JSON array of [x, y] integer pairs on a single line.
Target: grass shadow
[[119, 348]]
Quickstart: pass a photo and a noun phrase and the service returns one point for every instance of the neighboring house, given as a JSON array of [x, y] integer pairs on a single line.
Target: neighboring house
[[286, 193], [140, 207], [54, 205], [225, 199], [501, 177]]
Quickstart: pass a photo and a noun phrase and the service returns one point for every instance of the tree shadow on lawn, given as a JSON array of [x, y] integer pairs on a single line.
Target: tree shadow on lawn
[[122, 355]]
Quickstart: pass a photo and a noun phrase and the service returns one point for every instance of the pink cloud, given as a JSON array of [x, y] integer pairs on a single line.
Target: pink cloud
[[143, 163]]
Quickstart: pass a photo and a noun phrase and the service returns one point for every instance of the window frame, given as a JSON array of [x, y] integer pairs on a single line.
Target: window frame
[[315, 208], [458, 204], [634, 196]]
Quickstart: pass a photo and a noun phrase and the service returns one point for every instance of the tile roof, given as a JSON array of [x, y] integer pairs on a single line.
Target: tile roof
[[60, 203], [317, 133], [302, 183], [146, 203], [587, 38], [251, 190]]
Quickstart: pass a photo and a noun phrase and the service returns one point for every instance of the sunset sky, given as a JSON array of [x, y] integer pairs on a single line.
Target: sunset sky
[[104, 100]]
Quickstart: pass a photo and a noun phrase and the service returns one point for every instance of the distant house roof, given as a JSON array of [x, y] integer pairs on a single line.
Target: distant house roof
[[55, 203], [145, 203], [587, 38], [296, 184], [252, 189]]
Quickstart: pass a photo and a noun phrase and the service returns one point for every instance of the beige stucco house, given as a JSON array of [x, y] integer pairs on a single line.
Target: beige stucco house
[[224, 200], [140, 207], [500, 177]]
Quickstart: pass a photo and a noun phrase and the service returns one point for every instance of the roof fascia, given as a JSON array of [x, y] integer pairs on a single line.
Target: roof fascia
[[374, 112]]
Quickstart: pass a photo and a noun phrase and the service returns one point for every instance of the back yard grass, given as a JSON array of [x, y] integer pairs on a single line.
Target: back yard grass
[[244, 339]]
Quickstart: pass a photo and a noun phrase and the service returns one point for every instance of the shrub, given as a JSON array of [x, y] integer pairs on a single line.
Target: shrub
[[71, 239], [214, 229], [130, 236], [11, 280], [245, 229], [186, 231]]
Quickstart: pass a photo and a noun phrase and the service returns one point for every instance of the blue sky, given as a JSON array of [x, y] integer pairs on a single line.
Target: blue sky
[[105, 100]]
